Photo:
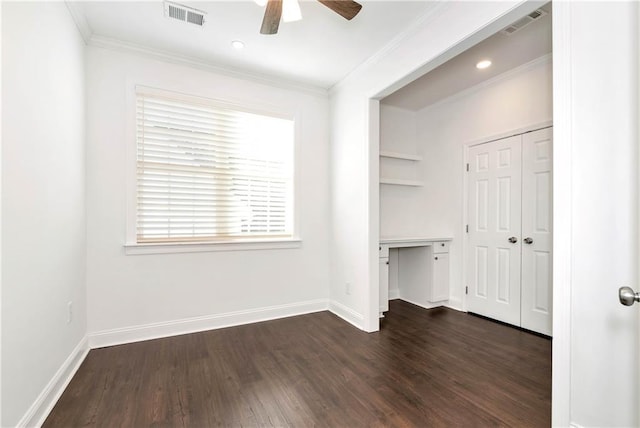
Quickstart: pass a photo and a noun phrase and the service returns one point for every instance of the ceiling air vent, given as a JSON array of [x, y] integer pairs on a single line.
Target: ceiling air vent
[[523, 22], [183, 13]]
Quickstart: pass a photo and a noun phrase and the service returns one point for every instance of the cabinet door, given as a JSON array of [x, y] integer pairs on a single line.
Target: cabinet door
[[384, 284], [440, 278]]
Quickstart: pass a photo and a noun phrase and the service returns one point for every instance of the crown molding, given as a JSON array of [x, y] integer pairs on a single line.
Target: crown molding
[[507, 75], [389, 47], [166, 56], [92, 39], [80, 20]]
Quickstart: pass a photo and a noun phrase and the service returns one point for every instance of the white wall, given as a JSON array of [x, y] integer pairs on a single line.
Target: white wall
[[43, 195], [133, 291], [350, 233], [451, 28], [511, 101]]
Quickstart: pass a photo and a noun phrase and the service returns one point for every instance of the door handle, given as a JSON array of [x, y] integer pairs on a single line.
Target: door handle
[[513, 239], [528, 241], [627, 296]]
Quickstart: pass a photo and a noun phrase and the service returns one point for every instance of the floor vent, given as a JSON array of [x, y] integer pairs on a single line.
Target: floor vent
[[523, 22], [183, 13]]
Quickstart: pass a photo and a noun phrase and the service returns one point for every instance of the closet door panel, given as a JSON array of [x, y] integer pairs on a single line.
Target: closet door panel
[[494, 229], [537, 210]]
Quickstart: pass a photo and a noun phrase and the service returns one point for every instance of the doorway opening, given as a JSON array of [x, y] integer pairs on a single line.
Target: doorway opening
[[426, 128]]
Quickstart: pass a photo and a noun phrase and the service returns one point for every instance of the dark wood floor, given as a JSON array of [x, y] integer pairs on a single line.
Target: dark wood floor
[[435, 367]]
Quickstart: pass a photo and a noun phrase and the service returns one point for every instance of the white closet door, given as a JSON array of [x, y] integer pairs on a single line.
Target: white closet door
[[494, 218], [537, 235]]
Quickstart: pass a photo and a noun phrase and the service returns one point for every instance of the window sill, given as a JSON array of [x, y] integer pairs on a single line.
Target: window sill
[[200, 247]]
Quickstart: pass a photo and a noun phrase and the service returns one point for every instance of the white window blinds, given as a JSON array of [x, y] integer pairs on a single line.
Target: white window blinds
[[207, 172]]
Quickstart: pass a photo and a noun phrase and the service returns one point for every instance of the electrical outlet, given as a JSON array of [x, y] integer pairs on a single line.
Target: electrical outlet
[[347, 288], [69, 312]]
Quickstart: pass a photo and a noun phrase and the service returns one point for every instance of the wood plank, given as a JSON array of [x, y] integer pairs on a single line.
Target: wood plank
[[435, 367]]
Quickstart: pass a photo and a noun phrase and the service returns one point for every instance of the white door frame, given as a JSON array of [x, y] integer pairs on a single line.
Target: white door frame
[[562, 220]]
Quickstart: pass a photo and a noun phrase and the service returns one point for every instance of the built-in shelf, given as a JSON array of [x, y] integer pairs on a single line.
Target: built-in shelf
[[400, 182], [403, 156]]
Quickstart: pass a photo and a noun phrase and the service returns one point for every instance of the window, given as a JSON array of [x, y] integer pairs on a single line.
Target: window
[[207, 172]]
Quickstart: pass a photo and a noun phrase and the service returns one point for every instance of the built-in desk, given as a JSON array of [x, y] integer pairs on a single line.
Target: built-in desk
[[418, 269]]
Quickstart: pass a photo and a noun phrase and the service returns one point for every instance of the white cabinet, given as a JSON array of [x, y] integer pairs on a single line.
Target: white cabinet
[[439, 286], [383, 265], [383, 251], [439, 289], [441, 247], [384, 284]]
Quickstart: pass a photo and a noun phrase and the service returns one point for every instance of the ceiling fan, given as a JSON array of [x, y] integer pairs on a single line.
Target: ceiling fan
[[271, 21]]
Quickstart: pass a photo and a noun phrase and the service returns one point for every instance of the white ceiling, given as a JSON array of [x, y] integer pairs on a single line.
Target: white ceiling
[[320, 50], [505, 51]]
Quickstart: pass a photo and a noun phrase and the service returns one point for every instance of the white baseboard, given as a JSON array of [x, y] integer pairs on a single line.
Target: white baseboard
[[139, 333], [394, 294], [455, 304], [50, 395], [347, 314]]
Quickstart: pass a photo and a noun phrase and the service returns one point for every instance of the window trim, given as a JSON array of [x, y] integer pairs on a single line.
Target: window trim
[[132, 247], [201, 247]]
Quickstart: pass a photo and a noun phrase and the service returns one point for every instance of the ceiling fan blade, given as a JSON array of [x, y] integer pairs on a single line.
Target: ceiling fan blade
[[345, 8], [271, 20]]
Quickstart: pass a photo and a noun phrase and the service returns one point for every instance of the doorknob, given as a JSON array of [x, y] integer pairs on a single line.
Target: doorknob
[[513, 239], [627, 296], [528, 241]]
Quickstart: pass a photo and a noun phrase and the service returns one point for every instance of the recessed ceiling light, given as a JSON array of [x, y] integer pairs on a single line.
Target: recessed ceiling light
[[483, 64], [237, 44]]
